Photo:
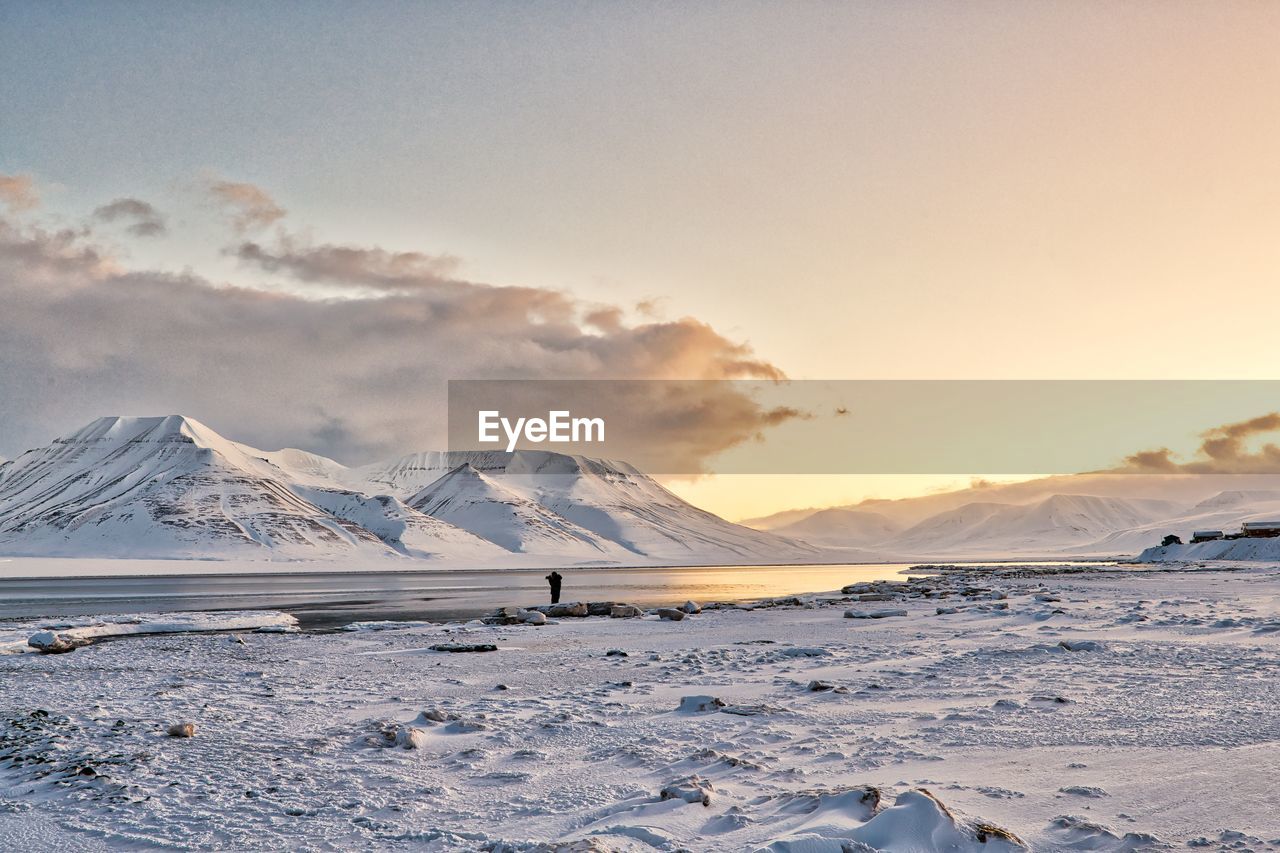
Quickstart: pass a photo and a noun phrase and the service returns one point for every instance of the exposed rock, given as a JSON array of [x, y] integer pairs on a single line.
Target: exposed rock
[[465, 726], [182, 730], [50, 643], [819, 686], [693, 789], [625, 611], [533, 617], [1083, 791], [873, 614], [615, 653], [576, 609], [464, 647], [410, 737], [581, 845], [670, 613], [699, 704], [436, 715], [504, 616], [1081, 645], [691, 607], [918, 814], [749, 710], [786, 601], [599, 608]]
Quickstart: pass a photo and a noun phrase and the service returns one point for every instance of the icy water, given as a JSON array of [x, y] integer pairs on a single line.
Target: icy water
[[330, 599]]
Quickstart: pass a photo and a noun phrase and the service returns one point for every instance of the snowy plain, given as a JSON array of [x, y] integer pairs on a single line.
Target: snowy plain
[[1009, 708]]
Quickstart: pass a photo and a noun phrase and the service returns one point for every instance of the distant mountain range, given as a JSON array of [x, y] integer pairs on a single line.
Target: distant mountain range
[[171, 487], [1087, 515]]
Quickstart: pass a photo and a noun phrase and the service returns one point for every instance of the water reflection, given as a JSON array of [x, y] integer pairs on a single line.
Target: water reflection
[[330, 599]]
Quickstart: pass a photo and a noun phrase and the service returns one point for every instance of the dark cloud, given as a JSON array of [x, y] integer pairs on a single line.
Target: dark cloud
[[249, 206], [357, 378], [1153, 461], [18, 193], [1223, 450], [144, 220]]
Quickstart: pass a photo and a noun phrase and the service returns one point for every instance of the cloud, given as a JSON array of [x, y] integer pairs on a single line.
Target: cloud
[[354, 266], [249, 206], [1153, 461], [18, 193], [82, 335], [144, 220], [1223, 450]]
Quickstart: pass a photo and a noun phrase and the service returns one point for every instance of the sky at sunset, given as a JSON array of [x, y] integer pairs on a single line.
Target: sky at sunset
[[364, 200]]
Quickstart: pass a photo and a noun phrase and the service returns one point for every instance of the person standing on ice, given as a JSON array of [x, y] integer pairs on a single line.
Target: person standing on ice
[[554, 579]]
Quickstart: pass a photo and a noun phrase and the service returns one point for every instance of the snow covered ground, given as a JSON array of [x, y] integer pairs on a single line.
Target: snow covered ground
[[1016, 707]]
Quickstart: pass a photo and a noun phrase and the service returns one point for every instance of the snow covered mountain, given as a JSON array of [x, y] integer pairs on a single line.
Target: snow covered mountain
[[160, 487], [475, 502], [612, 500], [172, 487], [838, 527], [616, 501], [1025, 520], [409, 531], [1056, 523]]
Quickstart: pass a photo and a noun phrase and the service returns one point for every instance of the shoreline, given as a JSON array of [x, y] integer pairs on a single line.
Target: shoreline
[[329, 598], [1050, 705], [316, 567]]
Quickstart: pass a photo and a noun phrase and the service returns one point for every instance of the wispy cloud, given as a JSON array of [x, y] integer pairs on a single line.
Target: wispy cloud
[[18, 193], [249, 206], [353, 266], [143, 219]]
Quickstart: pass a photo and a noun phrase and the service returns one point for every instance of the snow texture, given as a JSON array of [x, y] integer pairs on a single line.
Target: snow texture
[[1020, 707]]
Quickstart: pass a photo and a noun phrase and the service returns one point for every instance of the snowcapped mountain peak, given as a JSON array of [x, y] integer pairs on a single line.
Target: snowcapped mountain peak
[[1237, 498], [164, 486], [150, 428], [110, 437], [306, 467], [467, 498], [170, 486]]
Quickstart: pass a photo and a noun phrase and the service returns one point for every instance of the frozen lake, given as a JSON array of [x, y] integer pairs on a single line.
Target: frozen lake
[[322, 599]]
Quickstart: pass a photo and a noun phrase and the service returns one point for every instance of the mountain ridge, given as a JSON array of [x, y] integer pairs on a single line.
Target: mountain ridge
[[170, 486]]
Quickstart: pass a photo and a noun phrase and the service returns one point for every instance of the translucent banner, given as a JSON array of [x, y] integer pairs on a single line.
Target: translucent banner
[[970, 427]]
